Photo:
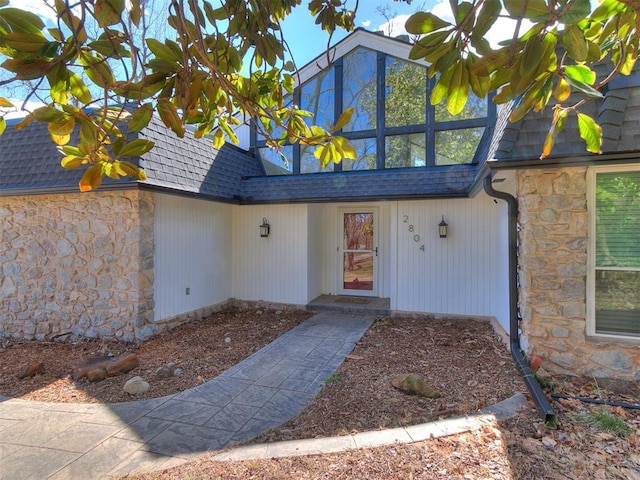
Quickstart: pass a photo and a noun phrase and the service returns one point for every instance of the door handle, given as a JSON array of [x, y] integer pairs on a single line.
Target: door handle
[[376, 250]]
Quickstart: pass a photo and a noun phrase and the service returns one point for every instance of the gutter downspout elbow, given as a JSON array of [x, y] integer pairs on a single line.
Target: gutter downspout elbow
[[545, 410]]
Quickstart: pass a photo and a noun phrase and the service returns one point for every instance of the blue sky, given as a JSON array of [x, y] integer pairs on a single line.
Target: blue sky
[[307, 40]]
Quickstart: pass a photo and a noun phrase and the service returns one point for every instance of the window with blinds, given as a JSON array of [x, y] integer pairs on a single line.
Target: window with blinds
[[617, 253]]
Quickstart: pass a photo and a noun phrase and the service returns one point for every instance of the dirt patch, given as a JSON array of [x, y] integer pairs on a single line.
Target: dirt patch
[[201, 350]]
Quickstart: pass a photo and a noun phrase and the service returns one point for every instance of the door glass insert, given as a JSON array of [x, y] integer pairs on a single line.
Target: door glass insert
[[358, 252]]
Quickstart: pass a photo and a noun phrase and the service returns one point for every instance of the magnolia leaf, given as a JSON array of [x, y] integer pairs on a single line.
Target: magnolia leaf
[[424, 22], [486, 18], [25, 42], [562, 90], [458, 89], [531, 56], [108, 12], [162, 51], [344, 147], [137, 147], [535, 9], [590, 132], [91, 179], [576, 11], [130, 170], [344, 119], [557, 124], [229, 131], [63, 127], [4, 103], [326, 154], [584, 88], [48, 114], [140, 118], [169, 116], [3, 125], [79, 89], [574, 42], [97, 70], [135, 12], [218, 139], [71, 161], [580, 73], [22, 21]]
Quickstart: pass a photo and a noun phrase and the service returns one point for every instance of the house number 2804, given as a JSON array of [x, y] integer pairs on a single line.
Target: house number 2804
[[412, 229]]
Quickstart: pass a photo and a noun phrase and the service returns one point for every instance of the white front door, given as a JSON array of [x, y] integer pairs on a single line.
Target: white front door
[[358, 251]]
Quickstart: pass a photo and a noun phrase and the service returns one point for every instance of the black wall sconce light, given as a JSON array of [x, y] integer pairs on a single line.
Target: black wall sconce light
[[265, 228], [442, 228]]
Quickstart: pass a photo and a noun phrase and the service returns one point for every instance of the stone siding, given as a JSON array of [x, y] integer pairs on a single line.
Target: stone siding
[[553, 241], [77, 265]]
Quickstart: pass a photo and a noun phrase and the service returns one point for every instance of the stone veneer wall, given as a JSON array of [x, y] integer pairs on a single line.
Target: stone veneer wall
[[553, 238], [78, 265]]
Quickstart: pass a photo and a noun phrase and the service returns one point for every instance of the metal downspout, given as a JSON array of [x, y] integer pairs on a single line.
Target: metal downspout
[[545, 410]]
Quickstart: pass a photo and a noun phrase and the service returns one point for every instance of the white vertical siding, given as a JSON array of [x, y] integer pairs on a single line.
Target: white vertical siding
[[315, 254], [192, 250], [456, 275], [273, 268]]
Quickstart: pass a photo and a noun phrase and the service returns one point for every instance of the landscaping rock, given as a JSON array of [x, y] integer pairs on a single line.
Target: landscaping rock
[[136, 386], [167, 371], [31, 370], [96, 375], [414, 385], [117, 365]]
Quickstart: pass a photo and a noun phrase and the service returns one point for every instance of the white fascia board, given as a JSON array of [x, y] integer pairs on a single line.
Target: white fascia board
[[359, 38]]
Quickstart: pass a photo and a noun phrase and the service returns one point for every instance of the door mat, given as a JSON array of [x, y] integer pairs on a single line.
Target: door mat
[[358, 300]]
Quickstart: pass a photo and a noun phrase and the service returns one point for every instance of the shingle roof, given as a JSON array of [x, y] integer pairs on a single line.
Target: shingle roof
[[29, 162], [449, 181], [618, 114]]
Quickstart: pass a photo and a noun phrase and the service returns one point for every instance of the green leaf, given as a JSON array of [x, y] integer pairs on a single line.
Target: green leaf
[[136, 148], [557, 124], [578, 9], [63, 127], [535, 9], [218, 139], [48, 114], [25, 42], [344, 118], [71, 162], [424, 22], [580, 73], [129, 169], [21, 21], [91, 179], [458, 89], [584, 88], [590, 132], [562, 90], [162, 51], [3, 125], [531, 56], [169, 116], [140, 118], [575, 43], [486, 18], [108, 12], [79, 89], [327, 154]]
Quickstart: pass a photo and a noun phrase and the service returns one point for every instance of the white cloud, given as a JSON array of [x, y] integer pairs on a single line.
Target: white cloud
[[366, 23], [16, 112], [395, 26], [39, 7]]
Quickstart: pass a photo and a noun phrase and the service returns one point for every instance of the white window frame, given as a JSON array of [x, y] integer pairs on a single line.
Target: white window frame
[[591, 249]]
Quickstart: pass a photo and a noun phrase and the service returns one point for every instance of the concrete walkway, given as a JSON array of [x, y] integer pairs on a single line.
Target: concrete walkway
[[70, 441]]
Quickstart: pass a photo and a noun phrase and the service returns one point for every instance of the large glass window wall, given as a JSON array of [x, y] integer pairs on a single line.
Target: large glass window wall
[[393, 124]]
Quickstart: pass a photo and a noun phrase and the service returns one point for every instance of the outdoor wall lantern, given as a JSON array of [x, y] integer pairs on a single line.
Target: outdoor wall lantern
[[442, 228], [265, 228]]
